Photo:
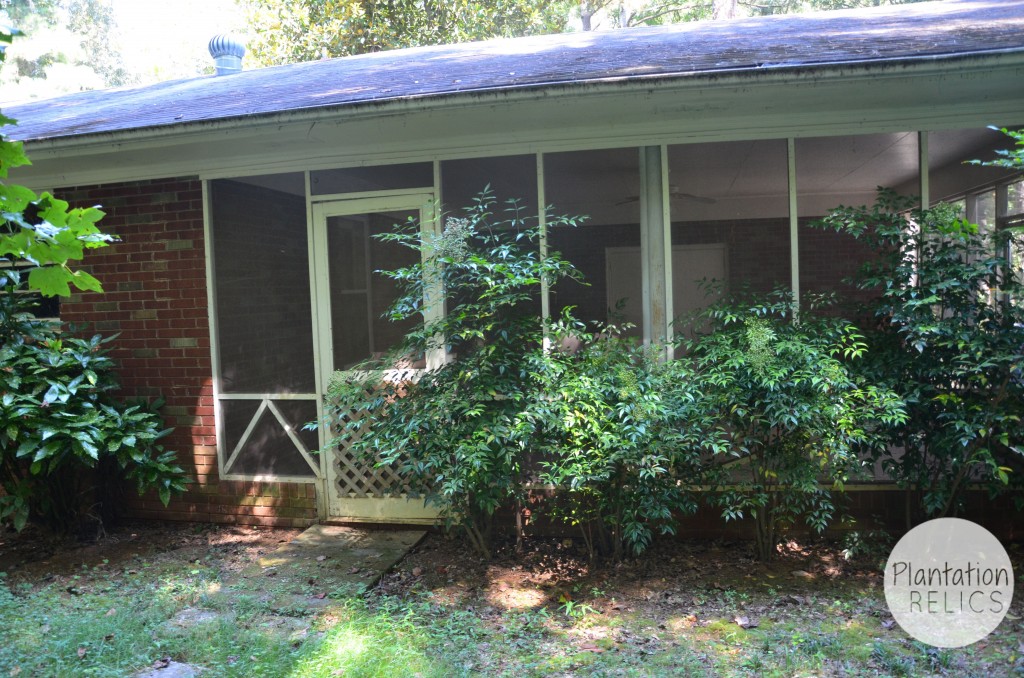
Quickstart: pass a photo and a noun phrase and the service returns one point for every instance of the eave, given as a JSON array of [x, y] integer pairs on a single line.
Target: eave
[[935, 92]]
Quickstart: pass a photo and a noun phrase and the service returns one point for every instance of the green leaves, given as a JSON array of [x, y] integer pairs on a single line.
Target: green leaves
[[287, 31], [460, 435], [789, 407], [620, 441], [59, 420], [43, 230], [53, 281], [12, 154], [942, 341], [1012, 158]]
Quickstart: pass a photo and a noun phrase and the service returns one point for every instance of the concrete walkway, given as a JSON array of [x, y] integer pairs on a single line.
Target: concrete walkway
[[295, 583], [326, 560]]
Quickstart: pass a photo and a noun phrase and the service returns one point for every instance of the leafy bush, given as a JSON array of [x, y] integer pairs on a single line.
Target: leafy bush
[[1012, 158], [57, 417], [461, 434], [949, 338], [624, 444], [622, 436], [521, 401], [58, 420], [795, 416]]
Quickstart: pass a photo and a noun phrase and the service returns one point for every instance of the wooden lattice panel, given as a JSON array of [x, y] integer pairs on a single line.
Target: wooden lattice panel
[[356, 479]]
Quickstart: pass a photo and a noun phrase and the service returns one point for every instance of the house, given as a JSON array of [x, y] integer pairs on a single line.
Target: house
[[245, 201]]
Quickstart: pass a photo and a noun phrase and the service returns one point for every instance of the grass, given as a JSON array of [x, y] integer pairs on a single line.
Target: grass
[[115, 625], [111, 620]]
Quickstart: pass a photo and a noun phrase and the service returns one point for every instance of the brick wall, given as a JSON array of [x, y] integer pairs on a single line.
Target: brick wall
[[758, 249], [827, 259], [155, 298]]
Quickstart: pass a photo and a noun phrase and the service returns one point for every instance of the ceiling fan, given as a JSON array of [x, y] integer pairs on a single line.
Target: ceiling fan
[[675, 194]]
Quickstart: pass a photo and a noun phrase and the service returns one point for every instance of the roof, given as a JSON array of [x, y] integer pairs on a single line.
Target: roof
[[809, 42]]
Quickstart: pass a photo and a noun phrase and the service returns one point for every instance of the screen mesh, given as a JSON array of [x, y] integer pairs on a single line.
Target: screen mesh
[[261, 268], [268, 450]]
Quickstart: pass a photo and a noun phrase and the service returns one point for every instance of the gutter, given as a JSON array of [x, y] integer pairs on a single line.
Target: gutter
[[763, 75]]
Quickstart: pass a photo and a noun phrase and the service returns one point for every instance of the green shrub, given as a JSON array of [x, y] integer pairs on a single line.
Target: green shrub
[[520, 400], [796, 417], [624, 445], [461, 435], [61, 429], [949, 338], [623, 437]]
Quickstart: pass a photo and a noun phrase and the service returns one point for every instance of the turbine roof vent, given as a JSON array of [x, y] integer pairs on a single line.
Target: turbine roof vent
[[227, 52]]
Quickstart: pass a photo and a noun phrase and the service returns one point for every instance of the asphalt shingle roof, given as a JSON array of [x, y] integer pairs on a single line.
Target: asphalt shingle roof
[[914, 32]]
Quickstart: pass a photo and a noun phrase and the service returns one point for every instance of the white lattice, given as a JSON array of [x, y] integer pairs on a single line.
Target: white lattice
[[354, 477]]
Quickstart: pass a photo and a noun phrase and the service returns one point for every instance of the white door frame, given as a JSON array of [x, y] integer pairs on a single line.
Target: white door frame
[[368, 509]]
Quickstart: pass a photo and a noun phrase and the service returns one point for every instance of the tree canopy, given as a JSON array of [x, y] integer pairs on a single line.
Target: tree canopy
[[288, 31], [65, 46]]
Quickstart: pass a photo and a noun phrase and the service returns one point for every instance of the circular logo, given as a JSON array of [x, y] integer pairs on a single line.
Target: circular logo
[[949, 582]]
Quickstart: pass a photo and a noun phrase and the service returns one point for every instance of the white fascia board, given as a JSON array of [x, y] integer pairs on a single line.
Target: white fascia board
[[854, 99]]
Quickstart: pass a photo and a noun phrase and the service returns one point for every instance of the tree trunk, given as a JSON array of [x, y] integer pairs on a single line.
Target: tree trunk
[[723, 9], [586, 15], [520, 533]]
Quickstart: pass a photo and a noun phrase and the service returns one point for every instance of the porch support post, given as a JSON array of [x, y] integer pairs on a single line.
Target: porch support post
[[542, 224], [434, 303], [922, 169], [794, 227], [542, 216], [326, 472], [655, 246], [214, 321], [1004, 247]]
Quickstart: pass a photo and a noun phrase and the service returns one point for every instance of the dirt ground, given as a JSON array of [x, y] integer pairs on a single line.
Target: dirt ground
[[33, 555], [707, 579], [711, 578]]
